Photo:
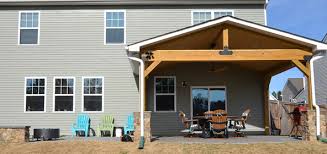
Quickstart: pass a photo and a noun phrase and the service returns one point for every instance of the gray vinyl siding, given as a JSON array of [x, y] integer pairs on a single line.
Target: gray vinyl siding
[[72, 44], [292, 88], [242, 93], [321, 80]]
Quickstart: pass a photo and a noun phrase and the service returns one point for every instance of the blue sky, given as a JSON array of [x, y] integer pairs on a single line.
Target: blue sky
[[304, 17]]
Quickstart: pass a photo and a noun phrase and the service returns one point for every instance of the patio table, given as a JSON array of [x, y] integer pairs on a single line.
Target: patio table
[[203, 120]]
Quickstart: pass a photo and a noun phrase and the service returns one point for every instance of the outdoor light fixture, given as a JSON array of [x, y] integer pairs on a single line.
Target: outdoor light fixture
[[184, 83], [147, 55], [226, 51]]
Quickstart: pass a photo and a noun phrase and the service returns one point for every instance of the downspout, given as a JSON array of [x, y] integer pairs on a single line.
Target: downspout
[[313, 91], [141, 83]]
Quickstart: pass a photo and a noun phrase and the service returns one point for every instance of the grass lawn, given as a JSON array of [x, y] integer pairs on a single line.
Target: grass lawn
[[60, 147]]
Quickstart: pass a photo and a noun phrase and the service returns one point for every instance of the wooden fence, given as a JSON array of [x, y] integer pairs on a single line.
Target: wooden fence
[[281, 120]]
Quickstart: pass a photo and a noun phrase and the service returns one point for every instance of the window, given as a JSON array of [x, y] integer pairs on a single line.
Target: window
[[35, 93], [92, 93], [64, 90], [165, 94], [115, 27], [202, 16], [29, 27]]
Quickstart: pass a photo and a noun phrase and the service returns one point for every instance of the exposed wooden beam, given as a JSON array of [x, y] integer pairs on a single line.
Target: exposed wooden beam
[[238, 55], [266, 83], [225, 37], [150, 68], [309, 86], [301, 67]]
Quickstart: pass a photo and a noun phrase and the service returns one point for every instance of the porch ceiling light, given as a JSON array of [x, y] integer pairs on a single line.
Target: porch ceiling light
[[226, 51]]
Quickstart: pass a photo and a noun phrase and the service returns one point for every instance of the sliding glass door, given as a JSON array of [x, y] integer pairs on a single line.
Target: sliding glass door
[[208, 99]]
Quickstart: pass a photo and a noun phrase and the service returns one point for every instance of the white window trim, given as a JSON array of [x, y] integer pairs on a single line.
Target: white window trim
[[45, 94], [209, 104], [155, 93], [19, 28], [211, 11], [84, 77], [54, 94], [105, 27]]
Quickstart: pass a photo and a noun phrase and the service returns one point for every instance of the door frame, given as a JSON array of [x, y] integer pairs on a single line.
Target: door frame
[[191, 100]]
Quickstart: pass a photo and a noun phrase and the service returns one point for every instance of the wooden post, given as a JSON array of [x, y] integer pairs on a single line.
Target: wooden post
[[266, 83], [145, 92], [225, 37], [309, 86]]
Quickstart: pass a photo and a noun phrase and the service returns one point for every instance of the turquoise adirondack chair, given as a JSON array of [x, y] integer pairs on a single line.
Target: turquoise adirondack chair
[[107, 124], [82, 124], [129, 126]]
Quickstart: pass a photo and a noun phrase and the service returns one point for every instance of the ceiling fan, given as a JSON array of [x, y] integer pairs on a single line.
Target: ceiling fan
[[214, 69]]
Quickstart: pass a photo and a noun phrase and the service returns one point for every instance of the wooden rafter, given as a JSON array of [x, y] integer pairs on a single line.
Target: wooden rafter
[[150, 68], [301, 67], [238, 55]]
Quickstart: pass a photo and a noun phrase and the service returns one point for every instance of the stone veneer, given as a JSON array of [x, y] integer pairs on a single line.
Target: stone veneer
[[310, 125], [323, 124], [14, 134], [147, 126]]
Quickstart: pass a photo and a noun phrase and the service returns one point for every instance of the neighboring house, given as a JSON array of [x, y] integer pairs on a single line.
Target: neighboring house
[[63, 58], [293, 90], [321, 78], [272, 98]]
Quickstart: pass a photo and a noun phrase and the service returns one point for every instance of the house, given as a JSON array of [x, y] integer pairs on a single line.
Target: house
[[272, 98], [63, 58], [320, 78], [294, 90]]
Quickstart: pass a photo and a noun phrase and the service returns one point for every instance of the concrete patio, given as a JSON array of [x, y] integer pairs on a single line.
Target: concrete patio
[[230, 140], [251, 139]]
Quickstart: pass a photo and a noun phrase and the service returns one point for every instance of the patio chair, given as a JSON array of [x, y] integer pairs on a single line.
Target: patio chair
[[82, 124], [239, 123], [129, 126], [190, 127], [218, 123], [107, 124]]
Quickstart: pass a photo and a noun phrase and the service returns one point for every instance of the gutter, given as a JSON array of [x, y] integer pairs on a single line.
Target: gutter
[[141, 83], [313, 91], [127, 2]]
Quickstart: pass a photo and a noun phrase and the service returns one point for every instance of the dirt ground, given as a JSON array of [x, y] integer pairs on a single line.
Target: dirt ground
[[62, 147]]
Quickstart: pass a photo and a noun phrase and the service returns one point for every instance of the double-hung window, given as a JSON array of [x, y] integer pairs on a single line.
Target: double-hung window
[[35, 94], [64, 90], [29, 27], [93, 94], [165, 93], [205, 15], [115, 27]]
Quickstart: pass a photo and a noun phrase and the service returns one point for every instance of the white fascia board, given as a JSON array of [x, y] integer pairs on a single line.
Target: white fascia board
[[318, 45]]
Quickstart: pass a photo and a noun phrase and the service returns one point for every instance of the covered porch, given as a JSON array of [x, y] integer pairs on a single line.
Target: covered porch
[[226, 63]]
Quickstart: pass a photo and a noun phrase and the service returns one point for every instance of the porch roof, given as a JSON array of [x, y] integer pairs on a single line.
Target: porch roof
[[234, 22]]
